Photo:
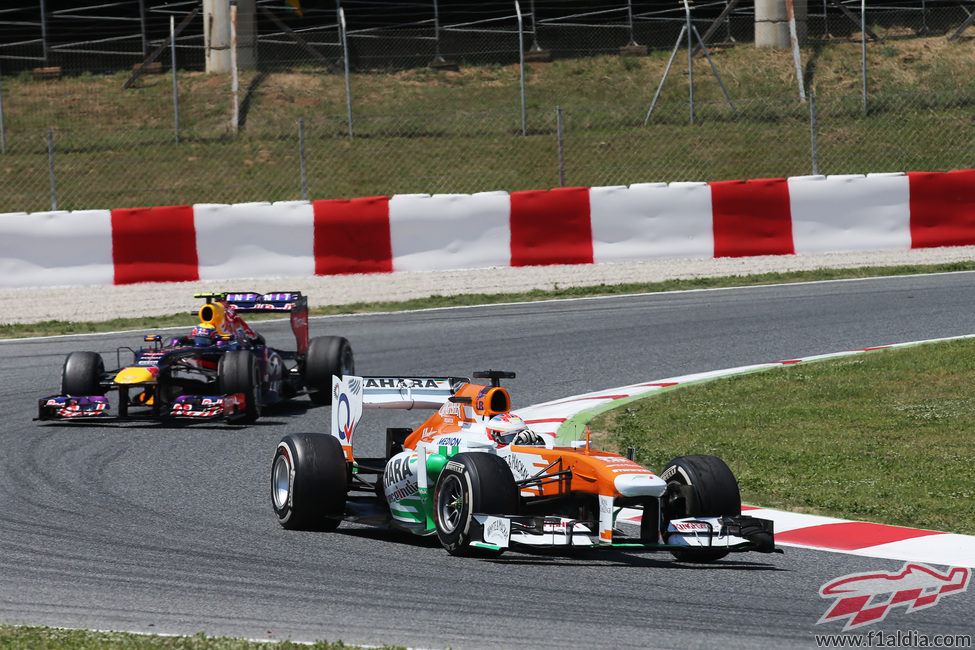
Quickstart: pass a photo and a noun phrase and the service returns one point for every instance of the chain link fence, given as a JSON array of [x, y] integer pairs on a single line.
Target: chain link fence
[[477, 151], [308, 139], [111, 35]]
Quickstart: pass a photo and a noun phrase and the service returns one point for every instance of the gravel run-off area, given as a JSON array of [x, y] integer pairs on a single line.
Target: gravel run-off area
[[31, 305]]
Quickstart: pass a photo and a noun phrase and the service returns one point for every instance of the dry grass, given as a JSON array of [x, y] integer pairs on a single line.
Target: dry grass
[[435, 131], [830, 68]]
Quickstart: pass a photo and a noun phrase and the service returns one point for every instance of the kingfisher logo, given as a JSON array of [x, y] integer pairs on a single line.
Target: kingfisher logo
[[864, 598]]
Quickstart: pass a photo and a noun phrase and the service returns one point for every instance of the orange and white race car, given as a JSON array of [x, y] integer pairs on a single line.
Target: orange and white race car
[[478, 477]]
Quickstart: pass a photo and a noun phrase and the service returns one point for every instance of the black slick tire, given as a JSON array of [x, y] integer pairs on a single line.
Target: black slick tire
[[308, 482], [237, 372], [327, 356], [471, 483], [82, 373], [700, 486]]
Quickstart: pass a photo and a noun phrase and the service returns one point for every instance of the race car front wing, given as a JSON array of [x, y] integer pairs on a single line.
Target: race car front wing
[[733, 533], [84, 407]]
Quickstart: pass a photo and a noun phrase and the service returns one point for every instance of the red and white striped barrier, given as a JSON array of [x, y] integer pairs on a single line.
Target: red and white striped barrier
[[575, 225], [567, 419]]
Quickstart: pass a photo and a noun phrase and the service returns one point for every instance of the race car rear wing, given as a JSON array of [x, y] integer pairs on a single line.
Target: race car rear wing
[[350, 394], [251, 302]]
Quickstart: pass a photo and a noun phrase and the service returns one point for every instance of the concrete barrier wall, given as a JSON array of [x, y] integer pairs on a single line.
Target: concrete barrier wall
[[44, 249], [419, 232]]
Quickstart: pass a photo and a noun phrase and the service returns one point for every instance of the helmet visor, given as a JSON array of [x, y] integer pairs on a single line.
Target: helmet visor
[[505, 437]]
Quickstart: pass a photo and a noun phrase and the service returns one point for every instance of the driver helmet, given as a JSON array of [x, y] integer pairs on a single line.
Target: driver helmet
[[505, 427], [204, 335]]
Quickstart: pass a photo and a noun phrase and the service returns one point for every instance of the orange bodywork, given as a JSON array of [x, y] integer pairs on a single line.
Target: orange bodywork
[[592, 470]]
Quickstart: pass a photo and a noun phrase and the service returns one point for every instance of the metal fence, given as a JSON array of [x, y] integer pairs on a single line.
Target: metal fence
[[180, 146], [112, 35], [476, 151]]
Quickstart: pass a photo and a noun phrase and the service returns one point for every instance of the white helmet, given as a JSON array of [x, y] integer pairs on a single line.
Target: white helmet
[[509, 429]]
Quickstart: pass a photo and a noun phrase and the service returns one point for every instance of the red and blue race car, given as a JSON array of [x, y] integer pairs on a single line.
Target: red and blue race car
[[223, 369]]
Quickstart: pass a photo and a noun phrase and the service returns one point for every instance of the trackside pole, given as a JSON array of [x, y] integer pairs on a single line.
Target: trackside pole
[[172, 45], [558, 127], [3, 128], [50, 164], [235, 82], [863, 50], [796, 56], [521, 66], [812, 133], [345, 58], [301, 158]]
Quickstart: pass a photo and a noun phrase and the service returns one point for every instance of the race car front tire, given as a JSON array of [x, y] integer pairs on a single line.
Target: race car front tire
[[308, 482], [700, 486], [327, 356], [469, 483], [237, 372], [81, 374]]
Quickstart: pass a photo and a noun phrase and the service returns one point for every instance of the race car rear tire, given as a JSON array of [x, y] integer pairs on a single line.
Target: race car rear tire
[[700, 486], [469, 483], [81, 374], [308, 482], [238, 372], [327, 356]]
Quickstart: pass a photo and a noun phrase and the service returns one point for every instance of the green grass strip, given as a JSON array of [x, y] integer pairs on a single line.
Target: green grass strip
[[883, 436], [17, 637]]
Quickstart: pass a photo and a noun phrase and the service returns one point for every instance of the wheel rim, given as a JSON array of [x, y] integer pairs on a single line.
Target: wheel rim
[[451, 504], [348, 364], [281, 481]]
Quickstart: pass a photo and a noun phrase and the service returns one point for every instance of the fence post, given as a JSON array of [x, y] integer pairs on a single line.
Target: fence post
[[812, 132], [863, 50], [535, 47], [301, 157], [629, 19], [690, 58], [172, 45], [436, 33], [521, 66], [558, 128], [3, 126], [142, 27], [44, 30], [235, 82], [794, 41], [345, 57], [50, 165]]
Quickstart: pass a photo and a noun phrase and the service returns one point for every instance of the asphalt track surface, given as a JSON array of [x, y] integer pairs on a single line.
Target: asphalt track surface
[[170, 530]]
